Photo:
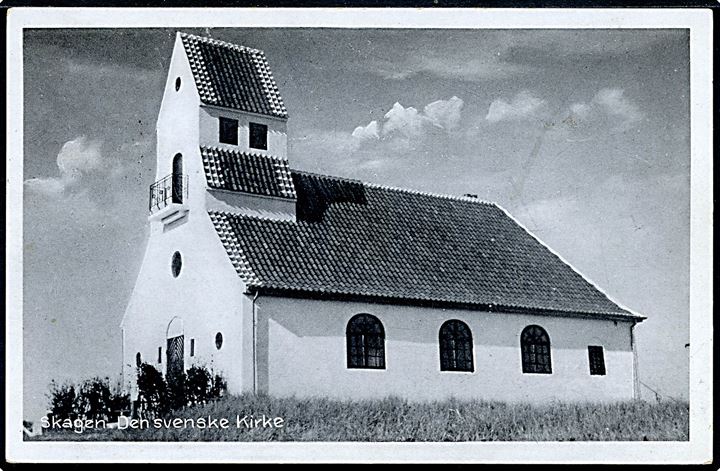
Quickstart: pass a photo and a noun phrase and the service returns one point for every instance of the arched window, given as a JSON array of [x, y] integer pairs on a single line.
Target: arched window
[[365, 342], [535, 346], [177, 179], [456, 347]]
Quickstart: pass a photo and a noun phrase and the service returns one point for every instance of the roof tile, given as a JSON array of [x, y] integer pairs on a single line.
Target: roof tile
[[233, 76], [361, 239]]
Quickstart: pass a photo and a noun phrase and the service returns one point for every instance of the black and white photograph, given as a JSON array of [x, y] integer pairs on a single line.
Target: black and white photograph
[[472, 236]]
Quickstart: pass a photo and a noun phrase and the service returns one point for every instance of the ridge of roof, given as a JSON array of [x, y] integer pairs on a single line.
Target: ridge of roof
[[217, 42], [411, 191]]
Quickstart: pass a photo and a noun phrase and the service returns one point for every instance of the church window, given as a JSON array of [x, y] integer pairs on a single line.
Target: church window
[[365, 342], [159, 354], [138, 359], [258, 136], [218, 340], [178, 82], [176, 264], [597, 360], [535, 346], [456, 347], [228, 131], [192, 347]]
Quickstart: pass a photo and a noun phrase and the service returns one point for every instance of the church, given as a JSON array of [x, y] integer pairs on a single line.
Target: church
[[292, 283]]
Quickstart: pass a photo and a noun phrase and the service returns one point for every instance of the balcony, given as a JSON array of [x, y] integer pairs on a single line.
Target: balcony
[[168, 198]]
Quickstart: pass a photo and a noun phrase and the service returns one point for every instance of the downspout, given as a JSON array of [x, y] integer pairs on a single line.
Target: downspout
[[636, 378], [254, 342]]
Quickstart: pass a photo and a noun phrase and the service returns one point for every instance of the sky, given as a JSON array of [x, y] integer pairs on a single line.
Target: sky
[[582, 135]]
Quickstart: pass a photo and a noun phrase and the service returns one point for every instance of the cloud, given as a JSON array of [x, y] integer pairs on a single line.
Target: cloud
[[407, 121], [444, 113], [75, 159], [364, 133], [523, 106], [613, 102]]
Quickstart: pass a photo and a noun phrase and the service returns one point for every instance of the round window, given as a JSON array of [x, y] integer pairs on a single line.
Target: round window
[[178, 82], [138, 359], [176, 264], [218, 340]]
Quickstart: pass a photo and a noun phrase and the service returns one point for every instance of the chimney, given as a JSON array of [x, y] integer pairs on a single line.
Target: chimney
[[470, 195]]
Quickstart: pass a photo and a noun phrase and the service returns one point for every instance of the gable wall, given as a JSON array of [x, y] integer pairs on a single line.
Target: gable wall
[[207, 296], [302, 351]]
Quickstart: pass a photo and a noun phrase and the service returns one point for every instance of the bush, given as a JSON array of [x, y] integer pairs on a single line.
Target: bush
[[158, 395], [152, 392], [177, 390], [203, 386], [63, 401], [92, 399]]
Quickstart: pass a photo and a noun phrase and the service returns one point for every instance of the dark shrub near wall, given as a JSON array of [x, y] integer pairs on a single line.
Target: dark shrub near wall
[[92, 399], [158, 396]]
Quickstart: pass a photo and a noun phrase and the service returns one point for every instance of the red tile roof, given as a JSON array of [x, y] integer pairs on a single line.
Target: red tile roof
[[359, 239], [233, 76], [251, 173]]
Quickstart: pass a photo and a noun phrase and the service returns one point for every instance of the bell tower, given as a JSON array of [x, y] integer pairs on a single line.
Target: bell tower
[[221, 135]]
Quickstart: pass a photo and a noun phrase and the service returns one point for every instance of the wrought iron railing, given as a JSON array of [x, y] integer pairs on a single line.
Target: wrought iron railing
[[170, 190]]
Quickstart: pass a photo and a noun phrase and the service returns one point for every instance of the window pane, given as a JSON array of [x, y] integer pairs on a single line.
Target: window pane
[[229, 131]]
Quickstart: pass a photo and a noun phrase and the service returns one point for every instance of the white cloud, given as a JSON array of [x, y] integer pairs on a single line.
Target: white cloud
[[523, 106], [76, 158], [613, 102], [444, 113], [364, 133], [409, 122]]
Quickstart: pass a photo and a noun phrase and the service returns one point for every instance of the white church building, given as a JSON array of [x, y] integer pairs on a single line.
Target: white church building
[[293, 283]]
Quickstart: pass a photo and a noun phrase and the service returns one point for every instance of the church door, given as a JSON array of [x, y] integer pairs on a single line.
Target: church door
[[175, 355]]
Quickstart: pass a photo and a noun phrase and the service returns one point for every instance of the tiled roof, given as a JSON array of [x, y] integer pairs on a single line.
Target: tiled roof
[[251, 173], [233, 76], [359, 239]]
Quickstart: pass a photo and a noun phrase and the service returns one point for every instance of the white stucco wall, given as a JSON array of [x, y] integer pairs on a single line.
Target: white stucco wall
[[302, 351], [207, 294]]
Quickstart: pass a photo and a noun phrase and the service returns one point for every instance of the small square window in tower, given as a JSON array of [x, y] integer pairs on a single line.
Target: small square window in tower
[[258, 136], [228, 131]]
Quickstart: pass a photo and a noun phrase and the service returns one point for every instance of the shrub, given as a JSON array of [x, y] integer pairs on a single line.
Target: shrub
[[177, 390], [63, 401], [152, 391], [203, 386], [92, 399]]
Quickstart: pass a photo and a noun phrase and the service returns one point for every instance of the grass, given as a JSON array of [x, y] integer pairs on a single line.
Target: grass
[[399, 420]]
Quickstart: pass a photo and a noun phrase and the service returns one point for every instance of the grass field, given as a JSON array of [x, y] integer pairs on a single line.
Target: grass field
[[399, 420]]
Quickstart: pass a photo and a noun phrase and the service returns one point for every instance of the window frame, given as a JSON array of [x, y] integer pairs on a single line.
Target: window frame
[[366, 332], [596, 360], [251, 134], [455, 340], [534, 350], [226, 125]]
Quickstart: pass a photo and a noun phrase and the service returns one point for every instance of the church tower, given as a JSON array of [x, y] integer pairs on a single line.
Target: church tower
[[221, 130]]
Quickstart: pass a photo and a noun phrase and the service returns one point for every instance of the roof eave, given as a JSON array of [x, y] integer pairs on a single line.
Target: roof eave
[[252, 289]]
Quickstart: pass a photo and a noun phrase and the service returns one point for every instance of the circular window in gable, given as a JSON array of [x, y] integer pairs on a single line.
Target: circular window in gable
[[138, 359], [176, 264], [178, 82], [218, 340]]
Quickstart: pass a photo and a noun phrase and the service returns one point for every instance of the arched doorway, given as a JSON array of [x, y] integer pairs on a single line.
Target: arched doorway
[[175, 348]]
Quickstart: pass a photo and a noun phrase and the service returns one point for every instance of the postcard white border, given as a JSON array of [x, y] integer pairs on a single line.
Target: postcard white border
[[697, 450]]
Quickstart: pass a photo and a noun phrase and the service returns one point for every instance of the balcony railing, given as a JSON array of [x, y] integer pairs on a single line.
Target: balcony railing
[[172, 189]]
